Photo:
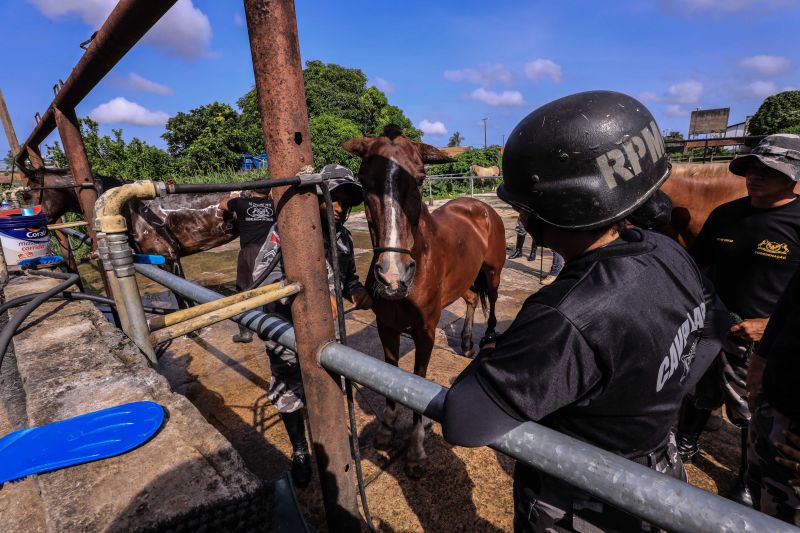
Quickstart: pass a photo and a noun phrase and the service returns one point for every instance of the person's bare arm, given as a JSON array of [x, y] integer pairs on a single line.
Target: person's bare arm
[[750, 330]]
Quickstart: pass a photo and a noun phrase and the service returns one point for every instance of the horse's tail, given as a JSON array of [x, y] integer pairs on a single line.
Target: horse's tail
[[481, 287]]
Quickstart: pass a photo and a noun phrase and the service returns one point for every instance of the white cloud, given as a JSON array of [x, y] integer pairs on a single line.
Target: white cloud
[[761, 89], [767, 65], [139, 83], [432, 128], [122, 111], [384, 85], [685, 92], [482, 75], [649, 96], [495, 99], [183, 31], [541, 68], [675, 111], [238, 20]]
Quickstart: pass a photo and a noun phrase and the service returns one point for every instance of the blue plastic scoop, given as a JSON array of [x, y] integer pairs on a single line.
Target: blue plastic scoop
[[81, 439]]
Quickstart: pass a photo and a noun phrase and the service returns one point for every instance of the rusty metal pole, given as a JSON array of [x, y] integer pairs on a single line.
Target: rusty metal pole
[[69, 130], [35, 157], [8, 126], [272, 27]]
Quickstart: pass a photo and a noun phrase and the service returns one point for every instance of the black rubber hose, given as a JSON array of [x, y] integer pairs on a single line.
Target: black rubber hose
[[333, 257], [14, 322], [83, 238], [227, 187], [270, 267], [75, 296]]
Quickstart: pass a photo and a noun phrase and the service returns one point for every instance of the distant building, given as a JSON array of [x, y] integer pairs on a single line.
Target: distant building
[[254, 162]]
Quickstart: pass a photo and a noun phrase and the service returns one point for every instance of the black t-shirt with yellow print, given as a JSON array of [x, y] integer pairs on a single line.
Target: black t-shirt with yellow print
[[751, 254]]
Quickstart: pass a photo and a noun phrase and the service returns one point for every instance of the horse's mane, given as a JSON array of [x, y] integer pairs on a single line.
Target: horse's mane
[[392, 131]]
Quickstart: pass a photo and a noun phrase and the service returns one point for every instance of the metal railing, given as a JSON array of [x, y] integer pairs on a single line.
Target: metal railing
[[667, 502], [456, 177]]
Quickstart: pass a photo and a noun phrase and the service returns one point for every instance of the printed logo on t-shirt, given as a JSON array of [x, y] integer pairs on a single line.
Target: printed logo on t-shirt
[[259, 212], [677, 350], [775, 250]]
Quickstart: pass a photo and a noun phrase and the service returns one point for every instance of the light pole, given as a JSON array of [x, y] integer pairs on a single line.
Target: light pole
[[484, 132]]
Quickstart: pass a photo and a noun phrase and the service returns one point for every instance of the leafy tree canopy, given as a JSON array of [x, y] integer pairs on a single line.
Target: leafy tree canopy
[[334, 91], [207, 138], [112, 156], [455, 139], [779, 113], [673, 136]]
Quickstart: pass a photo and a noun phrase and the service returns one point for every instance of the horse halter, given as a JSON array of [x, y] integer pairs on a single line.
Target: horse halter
[[381, 249]]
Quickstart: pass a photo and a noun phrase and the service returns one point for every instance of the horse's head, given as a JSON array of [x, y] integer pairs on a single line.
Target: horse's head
[[392, 171], [52, 190]]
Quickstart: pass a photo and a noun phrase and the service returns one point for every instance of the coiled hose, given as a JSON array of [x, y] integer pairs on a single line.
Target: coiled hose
[[14, 322]]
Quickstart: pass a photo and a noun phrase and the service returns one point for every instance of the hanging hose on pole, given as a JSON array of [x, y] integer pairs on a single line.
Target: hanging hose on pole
[[333, 258]]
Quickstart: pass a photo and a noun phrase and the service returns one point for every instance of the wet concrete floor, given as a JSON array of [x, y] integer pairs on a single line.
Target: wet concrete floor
[[464, 489]]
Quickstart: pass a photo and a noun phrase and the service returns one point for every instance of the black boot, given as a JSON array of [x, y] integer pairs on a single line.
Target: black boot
[[518, 248], [691, 422], [301, 460], [244, 335], [532, 256], [739, 492]]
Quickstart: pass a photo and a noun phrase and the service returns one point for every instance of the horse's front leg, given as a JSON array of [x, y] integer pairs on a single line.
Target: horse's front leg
[[417, 458], [390, 339]]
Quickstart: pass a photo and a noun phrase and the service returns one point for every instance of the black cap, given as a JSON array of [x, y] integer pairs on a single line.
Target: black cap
[[471, 416]]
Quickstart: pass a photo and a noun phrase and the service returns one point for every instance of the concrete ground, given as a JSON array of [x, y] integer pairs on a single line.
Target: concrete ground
[[464, 490]]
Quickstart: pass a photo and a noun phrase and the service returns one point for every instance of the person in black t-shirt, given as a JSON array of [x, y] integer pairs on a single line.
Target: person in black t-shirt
[[255, 215], [751, 248], [608, 351], [773, 384]]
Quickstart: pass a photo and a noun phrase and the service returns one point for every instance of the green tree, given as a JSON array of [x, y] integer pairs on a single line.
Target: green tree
[[673, 136], [328, 132], [112, 156], [455, 139], [334, 91], [206, 139], [779, 113]]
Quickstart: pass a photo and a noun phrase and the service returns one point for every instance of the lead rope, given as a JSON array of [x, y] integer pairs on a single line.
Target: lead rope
[[333, 258]]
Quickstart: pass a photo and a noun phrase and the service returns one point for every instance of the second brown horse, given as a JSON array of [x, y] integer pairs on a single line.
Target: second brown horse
[[422, 261]]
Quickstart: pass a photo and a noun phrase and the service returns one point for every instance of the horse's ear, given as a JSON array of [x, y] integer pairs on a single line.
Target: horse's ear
[[432, 155], [358, 146]]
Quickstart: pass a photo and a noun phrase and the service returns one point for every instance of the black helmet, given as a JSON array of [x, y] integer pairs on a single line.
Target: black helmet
[[584, 161], [342, 178]]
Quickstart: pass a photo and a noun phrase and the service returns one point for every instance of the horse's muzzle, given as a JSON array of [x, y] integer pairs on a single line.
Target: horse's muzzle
[[393, 279]]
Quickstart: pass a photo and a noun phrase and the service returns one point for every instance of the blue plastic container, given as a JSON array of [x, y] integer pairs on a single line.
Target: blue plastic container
[[24, 237]]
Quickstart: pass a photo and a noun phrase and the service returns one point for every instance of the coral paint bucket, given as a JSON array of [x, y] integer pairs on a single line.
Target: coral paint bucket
[[24, 237]]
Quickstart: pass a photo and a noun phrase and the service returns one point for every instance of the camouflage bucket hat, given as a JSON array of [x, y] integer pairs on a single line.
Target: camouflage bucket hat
[[779, 152], [337, 176]]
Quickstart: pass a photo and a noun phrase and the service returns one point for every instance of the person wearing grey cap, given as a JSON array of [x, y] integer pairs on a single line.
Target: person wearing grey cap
[[750, 248]]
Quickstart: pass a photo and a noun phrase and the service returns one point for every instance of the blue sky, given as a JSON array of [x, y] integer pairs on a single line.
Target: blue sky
[[447, 64]]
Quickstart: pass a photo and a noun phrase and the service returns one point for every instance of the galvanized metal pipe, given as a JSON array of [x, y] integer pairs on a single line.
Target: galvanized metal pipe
[[224, 313], [272, 28], [112, 285], [266, 326], [662, 500], [193, 312], [123, 28]]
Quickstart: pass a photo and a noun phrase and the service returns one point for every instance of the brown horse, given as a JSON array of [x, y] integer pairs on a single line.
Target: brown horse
[[422, 261], [174, 226], [695, 190]]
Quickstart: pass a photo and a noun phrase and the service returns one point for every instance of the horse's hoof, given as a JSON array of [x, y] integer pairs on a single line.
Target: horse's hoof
[[383, 442], [415, 469]]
